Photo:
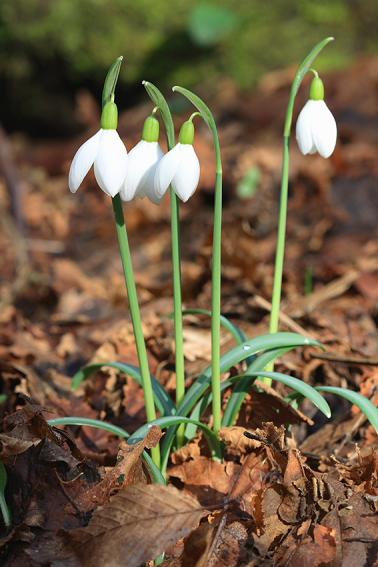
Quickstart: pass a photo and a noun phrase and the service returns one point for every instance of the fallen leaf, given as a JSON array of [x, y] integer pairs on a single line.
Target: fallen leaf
[[205, 478], [137, 525], [129, 470]]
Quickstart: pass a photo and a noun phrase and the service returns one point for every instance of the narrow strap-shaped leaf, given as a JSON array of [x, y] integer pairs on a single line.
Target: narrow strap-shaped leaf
[[7, 516], [366, 406], [232, 357], [242, 388], [113, 429], [163, 422], [163, 400], [238, 333], [305, 389]]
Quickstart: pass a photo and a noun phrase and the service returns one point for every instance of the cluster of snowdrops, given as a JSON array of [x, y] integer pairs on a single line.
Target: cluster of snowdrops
[[147, 171]]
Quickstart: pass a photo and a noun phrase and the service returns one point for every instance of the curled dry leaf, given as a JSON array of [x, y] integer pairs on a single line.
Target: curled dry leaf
[[137, 525], [235, 439], [131, 469]]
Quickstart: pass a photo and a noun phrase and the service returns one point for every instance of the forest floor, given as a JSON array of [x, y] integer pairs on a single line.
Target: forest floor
[[304, 492]]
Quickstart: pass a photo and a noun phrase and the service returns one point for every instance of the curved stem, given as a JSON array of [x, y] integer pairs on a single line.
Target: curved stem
[[278, 272]]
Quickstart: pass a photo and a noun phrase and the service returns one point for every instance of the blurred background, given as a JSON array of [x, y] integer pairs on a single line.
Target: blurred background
[[50, 49]]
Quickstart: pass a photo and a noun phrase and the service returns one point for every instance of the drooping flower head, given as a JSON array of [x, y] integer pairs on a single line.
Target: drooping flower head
[[179, 167], [316, 127], [106, 151], [143, 161]]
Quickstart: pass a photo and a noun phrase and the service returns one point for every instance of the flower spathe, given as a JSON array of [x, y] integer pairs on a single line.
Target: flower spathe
[[316, 127], [179, 167], [106, 151]]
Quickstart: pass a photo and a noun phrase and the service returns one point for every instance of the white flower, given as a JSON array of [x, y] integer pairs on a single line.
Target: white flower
[[316, 129], [106, 151], [142, 164], [179, 167]]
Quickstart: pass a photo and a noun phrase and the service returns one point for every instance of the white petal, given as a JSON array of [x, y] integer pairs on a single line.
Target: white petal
[[166, 170], [324, 129], [142, 164], [83, 161], [304, 130], [111, 163], [187, 175]]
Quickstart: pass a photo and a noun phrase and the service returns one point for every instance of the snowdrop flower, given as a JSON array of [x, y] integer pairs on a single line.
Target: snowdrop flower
[[316, 126], [142, 164], [106, 151], [179, 167]]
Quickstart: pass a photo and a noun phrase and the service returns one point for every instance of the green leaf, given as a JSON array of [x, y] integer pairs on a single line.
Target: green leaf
[[366, 406], [305, 389], [113, 429], [232, 357], [111, 82], [163, 422], [238, 334], [7, 516], [158, 99], [242, 388], [163, 400]]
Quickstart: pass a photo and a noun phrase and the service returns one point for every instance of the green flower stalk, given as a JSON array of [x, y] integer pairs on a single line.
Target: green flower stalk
[[277, 285], [217, 258], [108, 154], [162, 105]]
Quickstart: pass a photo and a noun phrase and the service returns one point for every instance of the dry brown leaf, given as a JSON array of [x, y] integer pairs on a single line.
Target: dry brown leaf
[[205, 478], [235, 439], [129, 470], [137, 525], [197, 546], [311, 552], [230, 549]]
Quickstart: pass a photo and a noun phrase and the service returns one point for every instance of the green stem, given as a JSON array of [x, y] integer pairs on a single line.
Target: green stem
[[277, 285], [216, 293], [161, 103], [278, 272], [135, 316], [217, 258], [177, 301]]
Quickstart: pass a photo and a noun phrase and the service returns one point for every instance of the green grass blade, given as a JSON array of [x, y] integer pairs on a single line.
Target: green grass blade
[[366, 406], [163, 400], [113, 429]]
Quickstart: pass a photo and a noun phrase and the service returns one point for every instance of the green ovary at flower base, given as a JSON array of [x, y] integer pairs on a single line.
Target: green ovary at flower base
[[143, 162], [106, 151], [179, 167]]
